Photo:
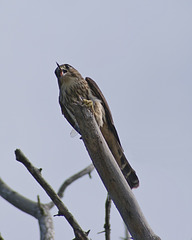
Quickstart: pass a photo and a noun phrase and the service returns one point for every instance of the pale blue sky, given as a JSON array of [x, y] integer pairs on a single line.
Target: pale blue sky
[[139, 53]]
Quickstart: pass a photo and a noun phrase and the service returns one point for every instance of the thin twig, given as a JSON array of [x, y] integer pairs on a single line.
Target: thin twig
[[63, 211], [73, 178], [107, 218], [70, 180]]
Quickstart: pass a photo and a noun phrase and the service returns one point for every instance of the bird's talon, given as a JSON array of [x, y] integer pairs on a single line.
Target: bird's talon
[[88, 103]]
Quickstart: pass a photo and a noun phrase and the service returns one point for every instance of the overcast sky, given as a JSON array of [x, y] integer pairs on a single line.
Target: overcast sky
[[139, 53]]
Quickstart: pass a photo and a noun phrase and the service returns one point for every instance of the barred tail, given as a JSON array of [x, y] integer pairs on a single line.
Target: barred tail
[[117, 151], [129, 173]]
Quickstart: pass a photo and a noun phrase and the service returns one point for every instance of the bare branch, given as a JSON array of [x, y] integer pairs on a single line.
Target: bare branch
[[70, 180], [45, 222], [73, 178], [37, 209], [63, 211], [111, 176], [107, 217], [17, 199], [40, 212]]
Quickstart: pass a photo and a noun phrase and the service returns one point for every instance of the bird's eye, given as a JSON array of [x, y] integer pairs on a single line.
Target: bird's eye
[[64, 71], [67, 66]]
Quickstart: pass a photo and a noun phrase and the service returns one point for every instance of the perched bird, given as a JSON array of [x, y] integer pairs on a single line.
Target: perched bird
[[74, 88]]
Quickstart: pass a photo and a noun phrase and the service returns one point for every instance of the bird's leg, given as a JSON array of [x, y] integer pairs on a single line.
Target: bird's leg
[[88, 103]]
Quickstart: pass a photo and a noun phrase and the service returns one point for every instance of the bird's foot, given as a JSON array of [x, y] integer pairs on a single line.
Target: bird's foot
[[88, 103]]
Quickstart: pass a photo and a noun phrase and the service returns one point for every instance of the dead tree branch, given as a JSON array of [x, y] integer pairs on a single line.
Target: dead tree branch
[[63, 211], [111, 176], [37, 210]]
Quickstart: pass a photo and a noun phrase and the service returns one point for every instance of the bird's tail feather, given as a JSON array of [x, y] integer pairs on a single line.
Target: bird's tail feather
[[129, 173], [117, 151]]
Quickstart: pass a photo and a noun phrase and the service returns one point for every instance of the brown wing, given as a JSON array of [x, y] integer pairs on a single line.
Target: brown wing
[[68, 117], [97, 92], [110, 134]]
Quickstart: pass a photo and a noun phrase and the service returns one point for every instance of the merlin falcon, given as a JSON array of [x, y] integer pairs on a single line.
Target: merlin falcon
[[74, 89]]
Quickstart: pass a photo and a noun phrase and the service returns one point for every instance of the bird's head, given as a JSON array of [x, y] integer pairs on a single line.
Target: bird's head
[[65, 73]]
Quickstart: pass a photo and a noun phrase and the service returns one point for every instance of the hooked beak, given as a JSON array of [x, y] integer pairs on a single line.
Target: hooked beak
[[58, 66], [61, 72]]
